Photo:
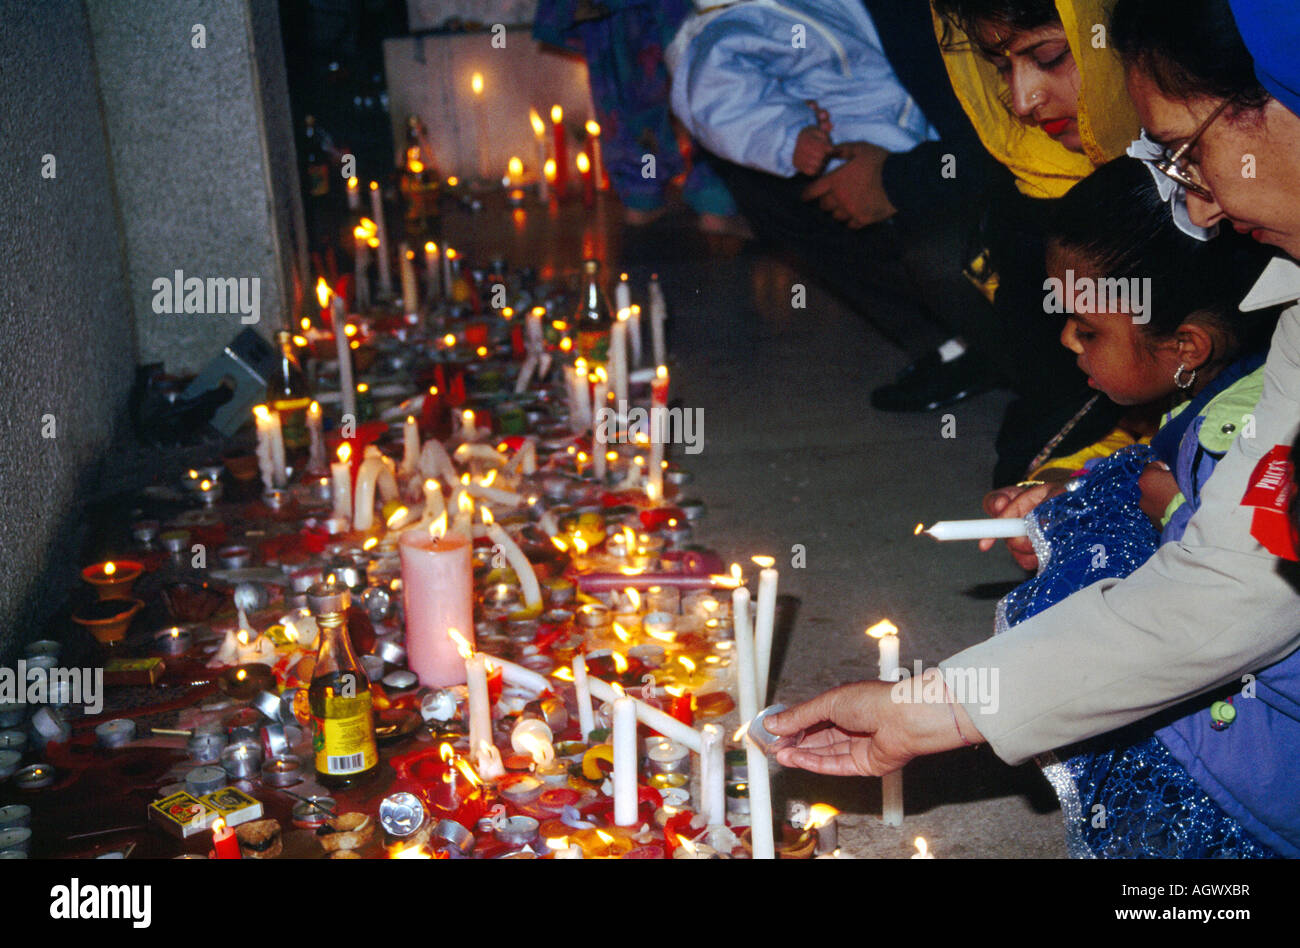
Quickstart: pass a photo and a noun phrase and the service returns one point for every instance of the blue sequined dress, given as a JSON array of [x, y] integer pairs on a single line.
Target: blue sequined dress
[[1123, 795]]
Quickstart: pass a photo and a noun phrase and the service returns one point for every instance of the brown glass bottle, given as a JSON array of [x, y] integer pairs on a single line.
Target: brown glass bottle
[[287, 393], [593, 321], [343, 741]]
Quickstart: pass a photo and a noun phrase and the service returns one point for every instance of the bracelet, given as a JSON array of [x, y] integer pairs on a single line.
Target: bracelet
[[953, 710], [1031, 483]]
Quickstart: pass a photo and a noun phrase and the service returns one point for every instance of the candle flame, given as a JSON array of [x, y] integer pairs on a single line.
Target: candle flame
[[593, 129], [487, 516], [110, 568], [539, 127], [371, 542], [618, 690], [438, 529], [882, 628], [662, 371], [548, 169], [323, 292], [583, 162], [620, 662], [352, 183], [564, 673], [819, 814], [476, 83], [446, 753], [580, 545], [566, 344], [558, 842], [219, 826], [621, 633], [345, 452], [491, 476], [687, 663], [663, 635], [465, 504], [468, 771], [415, 851], [631, 570], [557, 114], [242, 636], [241, 675], [430, 248], [633, 597], [922, 847], [399, 516], [560, 544], [686, 844], [515, 167], [262, 412], [462, 644], [766, 562], [350, 330], [920, 528]]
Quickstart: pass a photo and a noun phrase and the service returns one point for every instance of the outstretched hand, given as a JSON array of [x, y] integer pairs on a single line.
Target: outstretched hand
[[848, 732]]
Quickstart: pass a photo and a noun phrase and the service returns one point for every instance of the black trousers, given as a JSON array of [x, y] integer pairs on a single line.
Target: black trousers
[[905, 276]]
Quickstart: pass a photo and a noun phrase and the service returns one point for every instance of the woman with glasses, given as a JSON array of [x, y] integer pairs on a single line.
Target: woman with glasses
[[1218, 86]]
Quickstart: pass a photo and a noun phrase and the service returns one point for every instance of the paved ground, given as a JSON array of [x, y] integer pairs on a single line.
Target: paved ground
[[793, 454]]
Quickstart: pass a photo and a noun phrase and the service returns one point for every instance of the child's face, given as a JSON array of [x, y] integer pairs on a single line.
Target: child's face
[[1111, 349], [1041, 74]]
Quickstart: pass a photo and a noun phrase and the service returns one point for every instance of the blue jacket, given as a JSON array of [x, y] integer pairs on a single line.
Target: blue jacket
[[743, 75], [1251, 768]]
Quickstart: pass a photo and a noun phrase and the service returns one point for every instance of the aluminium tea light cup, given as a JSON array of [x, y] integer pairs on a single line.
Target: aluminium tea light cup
[[282, 770], [13, 740], [448, 834], [15, 816], [517, 831], [268, 703], [391, 652], [373, 666], [275, 741], [766, 741], [17, 840], [49, 726], [667, 757], [401, 680], [242, 760], [205, 748], [175, 640], [401, 814], [34, 777], [201, 780], [9, 760], [116, 733], [312, 812], [43, 647], [12, 715]]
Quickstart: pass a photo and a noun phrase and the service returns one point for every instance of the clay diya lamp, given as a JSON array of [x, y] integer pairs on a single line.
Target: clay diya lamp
[[108, 619], [113, 579]]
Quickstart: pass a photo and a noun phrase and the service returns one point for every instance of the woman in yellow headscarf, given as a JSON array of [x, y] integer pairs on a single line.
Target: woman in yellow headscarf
[[1045, 92]]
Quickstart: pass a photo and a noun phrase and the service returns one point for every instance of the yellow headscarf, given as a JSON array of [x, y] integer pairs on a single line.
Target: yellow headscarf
[[1042, 166]]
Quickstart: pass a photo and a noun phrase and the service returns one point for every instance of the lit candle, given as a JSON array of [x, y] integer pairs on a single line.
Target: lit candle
[[410, 291], [448, 256], [377, 209], [622, 294], [410, 445], [480, 707], [431, 270], [658, 433], [618, 359], [514, 171], [518, 561], [341, 482], [922, 849], [583, 164], [597, 161], [363, 506], [586, 719], [315, 432], [891, 785], [600, 427], [539, 135], [468, 430], [438, 595], [560, 151], [992, 528], [652, 717], [361, 274], [224, 842], [658, 316], [270, 447], [712, 777], [764, 622], [625, 761], [347, 389], [354, 194], [746, 696], [480, 124]]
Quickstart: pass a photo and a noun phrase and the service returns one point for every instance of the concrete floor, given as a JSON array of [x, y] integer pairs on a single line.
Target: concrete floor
[[794, 454]]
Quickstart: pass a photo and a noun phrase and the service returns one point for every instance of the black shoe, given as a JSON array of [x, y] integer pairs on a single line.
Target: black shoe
[[931, 383]]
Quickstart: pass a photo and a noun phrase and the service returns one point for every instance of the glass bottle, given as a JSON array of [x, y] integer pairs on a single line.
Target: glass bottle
[[593, 320], [288, 393], [339, 696]]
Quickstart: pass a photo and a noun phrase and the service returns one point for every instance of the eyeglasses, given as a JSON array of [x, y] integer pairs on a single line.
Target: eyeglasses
[[1177, 168]]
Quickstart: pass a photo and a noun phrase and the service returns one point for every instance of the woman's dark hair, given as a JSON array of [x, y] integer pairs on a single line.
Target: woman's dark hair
[[966, 15], [1115, 220], [1190, 48]]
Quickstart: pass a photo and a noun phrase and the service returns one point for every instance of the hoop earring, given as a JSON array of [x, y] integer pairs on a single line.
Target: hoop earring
[[1182, 383]]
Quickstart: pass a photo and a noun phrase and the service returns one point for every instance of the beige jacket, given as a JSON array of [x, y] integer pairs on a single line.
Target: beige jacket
[[1200, 613]]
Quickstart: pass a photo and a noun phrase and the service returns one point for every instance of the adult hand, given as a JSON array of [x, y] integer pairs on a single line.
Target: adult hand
[[1017, 502], [854, 193], [870, 728]]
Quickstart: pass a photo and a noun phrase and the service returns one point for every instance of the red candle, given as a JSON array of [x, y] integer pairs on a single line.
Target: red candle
[[588, 179], [224, 842], [683, 708], [561, 151]]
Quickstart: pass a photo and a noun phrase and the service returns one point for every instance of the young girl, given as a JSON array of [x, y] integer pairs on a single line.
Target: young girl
[[1187, 351]]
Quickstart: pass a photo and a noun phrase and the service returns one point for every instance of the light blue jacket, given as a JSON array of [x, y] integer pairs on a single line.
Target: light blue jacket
[[743, 75]]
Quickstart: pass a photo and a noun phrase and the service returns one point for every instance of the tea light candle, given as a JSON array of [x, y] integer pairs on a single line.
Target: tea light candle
[[13, 741], [116, 733], [201, 780], [173, 641], [15, 816], [667, 757], [33, 777], [242, 760], [282, 771], [9, 760]]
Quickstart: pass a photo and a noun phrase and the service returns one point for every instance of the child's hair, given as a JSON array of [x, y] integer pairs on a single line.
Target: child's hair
[[1115, 220], [966, 15]]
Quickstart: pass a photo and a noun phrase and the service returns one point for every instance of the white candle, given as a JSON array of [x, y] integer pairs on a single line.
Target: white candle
[[539, 133], [622, 294], [316, 433], [431, 272], [891, 785], [746, 696], [760, 802], [634, 333], [468, 430], [991, 528], [433, 503], [658, 315], [354, 195], [436, 462], [410, 445], [341, 482], [600, 427], [764, 622], [377, 210], [270, 447], [448, 256], [652, 717], [618, 359], [625, 758], [518, 562], [368, 476], [658, 433], [712, 776], [586, 718], [410, 291], [361, 258], [347, 388], [480, 708]]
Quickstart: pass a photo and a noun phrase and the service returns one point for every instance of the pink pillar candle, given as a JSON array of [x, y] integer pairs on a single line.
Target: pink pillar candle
[[437, 589]]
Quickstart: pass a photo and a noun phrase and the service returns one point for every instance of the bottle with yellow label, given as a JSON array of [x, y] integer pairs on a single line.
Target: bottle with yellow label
[[344, 738]]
